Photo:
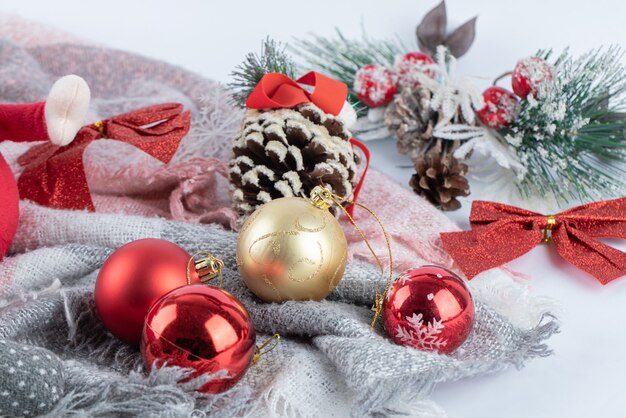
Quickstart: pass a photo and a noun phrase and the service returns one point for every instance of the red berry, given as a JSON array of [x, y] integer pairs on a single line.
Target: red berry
[[500, 108], [375, 85], [529, 74], [410, 65]]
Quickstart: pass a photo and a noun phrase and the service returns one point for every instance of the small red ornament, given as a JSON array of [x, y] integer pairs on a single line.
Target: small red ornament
[[133, 278], [375, 85], [529, 74], [203, 328], [429, 308], [500, 109], [408, 66]]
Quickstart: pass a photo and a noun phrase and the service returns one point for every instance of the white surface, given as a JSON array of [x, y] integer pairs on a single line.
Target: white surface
[[585, 377]]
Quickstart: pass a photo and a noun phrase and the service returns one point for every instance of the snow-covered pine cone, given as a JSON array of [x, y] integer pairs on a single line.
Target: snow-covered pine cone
[[410, 119], [439, 177], [287, 152]]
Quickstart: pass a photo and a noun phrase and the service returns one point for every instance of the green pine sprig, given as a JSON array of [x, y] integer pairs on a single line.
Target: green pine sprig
[[340, 57], [247, 75], [572, 139]]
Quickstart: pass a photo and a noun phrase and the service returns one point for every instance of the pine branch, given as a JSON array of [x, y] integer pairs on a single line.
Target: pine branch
[[340, 57], [272, 59], [572, 140]]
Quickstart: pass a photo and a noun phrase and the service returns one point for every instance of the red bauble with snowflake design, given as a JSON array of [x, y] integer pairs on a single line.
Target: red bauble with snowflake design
[[409, 66], [375, 85], [529, 74], [500, 109], [429, 308]]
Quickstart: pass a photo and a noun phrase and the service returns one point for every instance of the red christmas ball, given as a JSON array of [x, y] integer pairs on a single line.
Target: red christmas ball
[[9, 207], [429, 308], [529, 74], [133, 278], [500, 109], [409, 66], [203, 328], [375, 85]]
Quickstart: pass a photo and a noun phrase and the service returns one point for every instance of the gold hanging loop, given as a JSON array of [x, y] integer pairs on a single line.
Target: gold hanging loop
[[207, 267], [259, 350], [323, 198]]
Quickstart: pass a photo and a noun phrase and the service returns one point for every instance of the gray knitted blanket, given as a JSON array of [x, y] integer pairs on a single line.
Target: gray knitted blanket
[[56, 358], [329, 359]]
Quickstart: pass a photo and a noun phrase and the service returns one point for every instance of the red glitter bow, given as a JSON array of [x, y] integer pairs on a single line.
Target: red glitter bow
[[55, 176], [277, 91], [501, 233]]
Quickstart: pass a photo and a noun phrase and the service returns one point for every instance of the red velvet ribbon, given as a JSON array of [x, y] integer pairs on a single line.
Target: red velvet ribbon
[[55, 176], [501, 233], [277, 91]]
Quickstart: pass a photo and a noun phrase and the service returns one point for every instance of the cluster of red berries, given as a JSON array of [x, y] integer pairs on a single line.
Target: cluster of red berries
[[375, 84], [501, 105]]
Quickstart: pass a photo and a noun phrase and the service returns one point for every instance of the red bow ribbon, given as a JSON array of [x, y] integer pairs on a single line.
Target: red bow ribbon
[[55, 176], [501, 233], [277, 91]]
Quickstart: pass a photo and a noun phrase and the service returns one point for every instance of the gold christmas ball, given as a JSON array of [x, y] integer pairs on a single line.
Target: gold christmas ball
[[290, 249]]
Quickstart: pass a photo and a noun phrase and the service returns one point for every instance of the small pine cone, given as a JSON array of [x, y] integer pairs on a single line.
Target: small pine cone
[[411, 120], [439, 177], [287, 152]]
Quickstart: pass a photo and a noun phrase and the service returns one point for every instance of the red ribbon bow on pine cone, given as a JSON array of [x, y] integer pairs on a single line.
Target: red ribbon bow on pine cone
[[55, 176], [501, 233], [277, 91]]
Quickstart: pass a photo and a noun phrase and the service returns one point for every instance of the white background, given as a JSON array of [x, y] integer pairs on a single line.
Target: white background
[[586, 376]]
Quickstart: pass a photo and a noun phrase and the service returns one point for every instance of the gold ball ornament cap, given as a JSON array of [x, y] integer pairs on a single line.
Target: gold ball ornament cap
[[291, 249]]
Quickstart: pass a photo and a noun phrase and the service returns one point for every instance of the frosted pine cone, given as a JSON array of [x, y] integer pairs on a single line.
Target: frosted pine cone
[[287, 152], [410, 119], [439, 177]]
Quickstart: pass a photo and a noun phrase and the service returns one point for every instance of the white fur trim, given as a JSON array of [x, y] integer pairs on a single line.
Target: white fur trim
[[66, 108]]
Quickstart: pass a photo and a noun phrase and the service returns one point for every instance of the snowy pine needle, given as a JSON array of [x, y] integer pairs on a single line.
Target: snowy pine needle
[[340, 57], [570, 139], [272, 59]]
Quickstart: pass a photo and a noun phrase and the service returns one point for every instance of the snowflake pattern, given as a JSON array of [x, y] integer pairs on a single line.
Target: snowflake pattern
[[422, 336]]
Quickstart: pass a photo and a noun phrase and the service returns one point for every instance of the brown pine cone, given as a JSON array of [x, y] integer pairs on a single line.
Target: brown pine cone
[[410, 119], [440, 177], [287, 152]]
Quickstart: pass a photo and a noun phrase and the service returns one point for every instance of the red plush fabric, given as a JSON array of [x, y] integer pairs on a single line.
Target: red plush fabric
[[23, 122], [9, 207], [19, 123]]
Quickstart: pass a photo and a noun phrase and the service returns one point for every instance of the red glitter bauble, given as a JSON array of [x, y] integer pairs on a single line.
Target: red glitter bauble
[[133, 278], [203, 328], [9, 207], [410, 65], [375, 85], [429, 308], [500, 109], [529, 74]]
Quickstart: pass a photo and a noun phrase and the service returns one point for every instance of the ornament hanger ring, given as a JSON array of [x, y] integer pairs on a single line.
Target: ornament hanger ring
[[259, 352], [208, 267], [321, 197]]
